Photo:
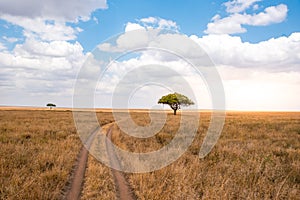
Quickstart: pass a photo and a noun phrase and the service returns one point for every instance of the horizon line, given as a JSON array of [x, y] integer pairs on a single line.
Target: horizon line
[[13, 107]]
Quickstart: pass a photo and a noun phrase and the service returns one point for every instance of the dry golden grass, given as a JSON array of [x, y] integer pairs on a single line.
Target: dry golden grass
[[98, 178], [98, 181], [38, 150], [257, 157]]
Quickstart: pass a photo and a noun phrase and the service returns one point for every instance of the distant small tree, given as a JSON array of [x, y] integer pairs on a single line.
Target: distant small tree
[[51, 105], [175, 100]]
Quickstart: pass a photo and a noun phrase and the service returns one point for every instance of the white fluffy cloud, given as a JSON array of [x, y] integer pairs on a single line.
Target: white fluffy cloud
[[143, 37], [44, 56], [47, 19], [43, 29], [137, 38], [253, 74], [133, 26], [275, 54], [152, 75], [151, 22], [236, 6], [234, 22], [256, 76], [250, 81], [54, 49], [157, 22], [40, 70], [67, 10], [272, 14], [46, 63], [137, 35]]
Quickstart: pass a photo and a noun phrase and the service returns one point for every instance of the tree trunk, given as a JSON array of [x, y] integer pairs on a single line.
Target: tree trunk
[[175, 107]]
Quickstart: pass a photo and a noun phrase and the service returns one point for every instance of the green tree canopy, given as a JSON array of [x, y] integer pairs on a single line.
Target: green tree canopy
[[50, 105], [175, 100]]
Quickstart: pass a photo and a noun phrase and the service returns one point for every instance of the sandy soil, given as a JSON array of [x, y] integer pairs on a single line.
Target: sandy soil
[[123, 188], [74, 186]]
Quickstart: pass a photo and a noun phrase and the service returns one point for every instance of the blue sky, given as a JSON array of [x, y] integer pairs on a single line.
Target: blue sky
[[191, 16], [254, 45]]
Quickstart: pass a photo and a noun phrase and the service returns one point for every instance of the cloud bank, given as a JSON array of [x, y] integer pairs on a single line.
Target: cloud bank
[[67, 10], [46, 60], [43, 63], [233, 23], [256, 76]]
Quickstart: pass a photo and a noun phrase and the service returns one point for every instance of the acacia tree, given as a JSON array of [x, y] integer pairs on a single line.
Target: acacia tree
[[175, 100], [50, 105]]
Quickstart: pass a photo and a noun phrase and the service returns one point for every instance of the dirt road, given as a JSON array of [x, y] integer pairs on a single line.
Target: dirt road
[[123, 189], [75, 183], [74, 186]]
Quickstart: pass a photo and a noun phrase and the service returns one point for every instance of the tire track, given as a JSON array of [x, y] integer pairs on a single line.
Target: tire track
[[74, 185], [123, 188]]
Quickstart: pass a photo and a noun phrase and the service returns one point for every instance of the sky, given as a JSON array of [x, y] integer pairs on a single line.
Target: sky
[[253, 44]]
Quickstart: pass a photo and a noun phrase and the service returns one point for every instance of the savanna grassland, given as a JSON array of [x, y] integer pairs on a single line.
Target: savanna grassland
[[256, 157], [38, 152]]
